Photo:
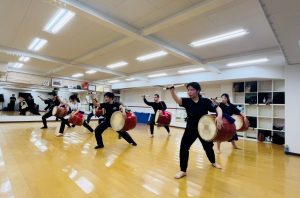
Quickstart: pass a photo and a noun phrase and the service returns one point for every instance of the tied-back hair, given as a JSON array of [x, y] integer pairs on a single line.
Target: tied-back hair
[[227, 96], [196, 86], [74, 97]]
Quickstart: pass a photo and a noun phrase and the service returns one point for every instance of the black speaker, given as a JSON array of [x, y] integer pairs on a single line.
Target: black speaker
[[1, 98]]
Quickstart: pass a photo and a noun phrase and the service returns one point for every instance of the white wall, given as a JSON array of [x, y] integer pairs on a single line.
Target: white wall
[[292, 109]]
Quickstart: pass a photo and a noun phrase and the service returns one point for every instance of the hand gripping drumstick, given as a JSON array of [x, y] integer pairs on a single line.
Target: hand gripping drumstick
[[173, 86]]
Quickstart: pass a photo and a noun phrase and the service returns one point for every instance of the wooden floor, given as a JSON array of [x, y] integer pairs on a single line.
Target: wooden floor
[[35, 163]]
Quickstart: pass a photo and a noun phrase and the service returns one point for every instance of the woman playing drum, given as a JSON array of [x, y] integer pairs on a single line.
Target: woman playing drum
[[230, 109], [156, 105], [74, 107], [196, 106], [110, 107]]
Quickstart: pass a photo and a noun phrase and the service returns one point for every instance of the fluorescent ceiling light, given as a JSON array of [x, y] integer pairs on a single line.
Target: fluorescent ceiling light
[[218, 38], [90, 71], [249, 62], [157, 75], [16, 65], [118, 64], [37, 44], [24, 59], [190, 70], [129, 79], [61, 18], [151, 56], [77, 75], [114, 81]]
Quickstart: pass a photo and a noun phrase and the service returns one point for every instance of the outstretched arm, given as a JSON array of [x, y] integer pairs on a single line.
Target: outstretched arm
[[177, 99]]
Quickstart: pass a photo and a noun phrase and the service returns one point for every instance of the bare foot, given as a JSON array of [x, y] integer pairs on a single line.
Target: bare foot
[[180, 175], [151, 136], [218, 152], [216, 166]]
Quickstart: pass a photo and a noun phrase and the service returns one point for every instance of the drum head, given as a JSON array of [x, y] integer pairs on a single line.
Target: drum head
[[117, 121], [238, 121], [207, 128], [157, 116], [54, 111]]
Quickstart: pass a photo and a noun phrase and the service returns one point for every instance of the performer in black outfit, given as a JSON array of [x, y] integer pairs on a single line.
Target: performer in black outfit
[[110, 107], [156, 105], [196, 106], [32, 105], [74, 107], [229, 109], [51, 103]]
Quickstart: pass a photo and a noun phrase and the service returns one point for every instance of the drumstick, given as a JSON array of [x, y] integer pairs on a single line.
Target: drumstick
[[173, 86]]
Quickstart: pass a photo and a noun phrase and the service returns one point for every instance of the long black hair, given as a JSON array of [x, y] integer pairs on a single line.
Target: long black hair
[[226, 96], [74, 97], [196, 86]]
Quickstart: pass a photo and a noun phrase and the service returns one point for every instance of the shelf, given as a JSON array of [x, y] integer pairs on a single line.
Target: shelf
[[278, 104], [265, 117], [278, 131], [264, 129], [278, 118]]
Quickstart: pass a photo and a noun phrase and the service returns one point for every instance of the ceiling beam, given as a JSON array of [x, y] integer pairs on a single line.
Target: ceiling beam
[[16, 52], [134, 33], [195, 10]]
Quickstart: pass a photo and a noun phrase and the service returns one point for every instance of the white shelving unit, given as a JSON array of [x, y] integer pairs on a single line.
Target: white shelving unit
[[263, 103]]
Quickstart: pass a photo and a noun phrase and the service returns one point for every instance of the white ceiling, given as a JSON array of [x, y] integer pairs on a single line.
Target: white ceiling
[[105, 32], [284, 17]]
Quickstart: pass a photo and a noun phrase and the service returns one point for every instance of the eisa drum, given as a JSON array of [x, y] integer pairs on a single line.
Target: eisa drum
[[240, 123], [119, 122], [208, 130], [99, 111], [76, 119], [60, 111], [163, 118]]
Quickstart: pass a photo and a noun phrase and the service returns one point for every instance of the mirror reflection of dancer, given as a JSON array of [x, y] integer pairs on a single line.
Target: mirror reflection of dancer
[[196, 106], [110, 107], [74, 107], [156, 105], [51, 103]]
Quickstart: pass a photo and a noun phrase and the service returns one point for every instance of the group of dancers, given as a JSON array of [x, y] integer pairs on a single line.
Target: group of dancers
[[195, 105]]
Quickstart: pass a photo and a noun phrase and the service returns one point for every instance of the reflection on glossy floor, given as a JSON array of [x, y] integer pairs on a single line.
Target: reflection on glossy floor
[[35, 163]]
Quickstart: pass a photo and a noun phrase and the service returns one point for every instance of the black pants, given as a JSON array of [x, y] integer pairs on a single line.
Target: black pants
[[65, 122], [91, 105], [45, 116], [188, 138], [89, 117], [102, 127], [23, 111], [152, 123]]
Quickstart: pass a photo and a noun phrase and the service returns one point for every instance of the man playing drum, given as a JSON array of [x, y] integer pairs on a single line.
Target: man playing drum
[[156, 105], [196, 106], [110, 107]]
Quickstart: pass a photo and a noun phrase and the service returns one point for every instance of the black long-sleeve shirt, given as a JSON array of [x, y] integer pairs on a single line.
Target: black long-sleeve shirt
[[156, 105]]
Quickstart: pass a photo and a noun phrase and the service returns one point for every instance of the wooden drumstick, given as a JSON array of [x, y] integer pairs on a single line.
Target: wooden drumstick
[[173, 86]]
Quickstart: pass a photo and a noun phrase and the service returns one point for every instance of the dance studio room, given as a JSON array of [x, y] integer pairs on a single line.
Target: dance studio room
[[149, 98]]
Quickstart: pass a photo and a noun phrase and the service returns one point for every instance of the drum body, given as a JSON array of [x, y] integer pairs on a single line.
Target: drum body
[[208, 130], [119, 122], [60, 111], [99, 112], [240, 123], [76, 119], [163, 118]]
